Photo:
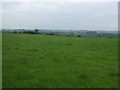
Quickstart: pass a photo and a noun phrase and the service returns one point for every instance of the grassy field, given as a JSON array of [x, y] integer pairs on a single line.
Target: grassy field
[[43, 61], [0, 59]]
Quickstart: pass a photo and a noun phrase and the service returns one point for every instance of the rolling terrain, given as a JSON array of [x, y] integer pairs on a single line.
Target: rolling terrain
[[46, 61]]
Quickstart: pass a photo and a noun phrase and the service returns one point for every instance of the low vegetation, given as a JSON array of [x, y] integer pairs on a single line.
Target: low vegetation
[[46, 61], [70, 33]]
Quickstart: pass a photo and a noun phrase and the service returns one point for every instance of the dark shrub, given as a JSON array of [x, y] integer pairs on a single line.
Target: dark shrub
[[24, 31], [52, 34], [36, 31], [109, 37], [19, 32], [15, 31], [79, 36], [30, 32]]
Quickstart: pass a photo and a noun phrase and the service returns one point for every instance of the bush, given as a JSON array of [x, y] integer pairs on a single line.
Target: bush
[[24, 31], [15, 31], [109, 37], [79, 36], [36, 31], [30, 32], [19, 32], [50, 34]]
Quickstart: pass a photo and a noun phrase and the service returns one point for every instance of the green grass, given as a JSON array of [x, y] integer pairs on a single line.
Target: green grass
[[0, 59], [43, 61]]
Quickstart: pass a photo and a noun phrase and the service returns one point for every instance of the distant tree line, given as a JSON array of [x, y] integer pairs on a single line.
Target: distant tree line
[[69, 34], [27, 31]]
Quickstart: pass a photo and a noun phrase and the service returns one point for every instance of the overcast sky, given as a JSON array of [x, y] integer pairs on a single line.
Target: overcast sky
[[60, 15]]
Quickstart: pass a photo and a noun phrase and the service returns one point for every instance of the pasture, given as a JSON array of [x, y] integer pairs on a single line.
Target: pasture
[[0, 59], [46, 61]]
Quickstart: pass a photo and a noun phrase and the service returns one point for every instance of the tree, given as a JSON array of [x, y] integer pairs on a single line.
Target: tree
[[15, 31], [30, 32], [24, 31], [19, 32], [36, 31], [79, 35]]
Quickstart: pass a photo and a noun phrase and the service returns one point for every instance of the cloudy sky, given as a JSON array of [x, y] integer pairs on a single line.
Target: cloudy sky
[[60, 15]]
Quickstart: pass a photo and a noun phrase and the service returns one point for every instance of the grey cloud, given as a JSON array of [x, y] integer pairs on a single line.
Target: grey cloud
[[61, 15]]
